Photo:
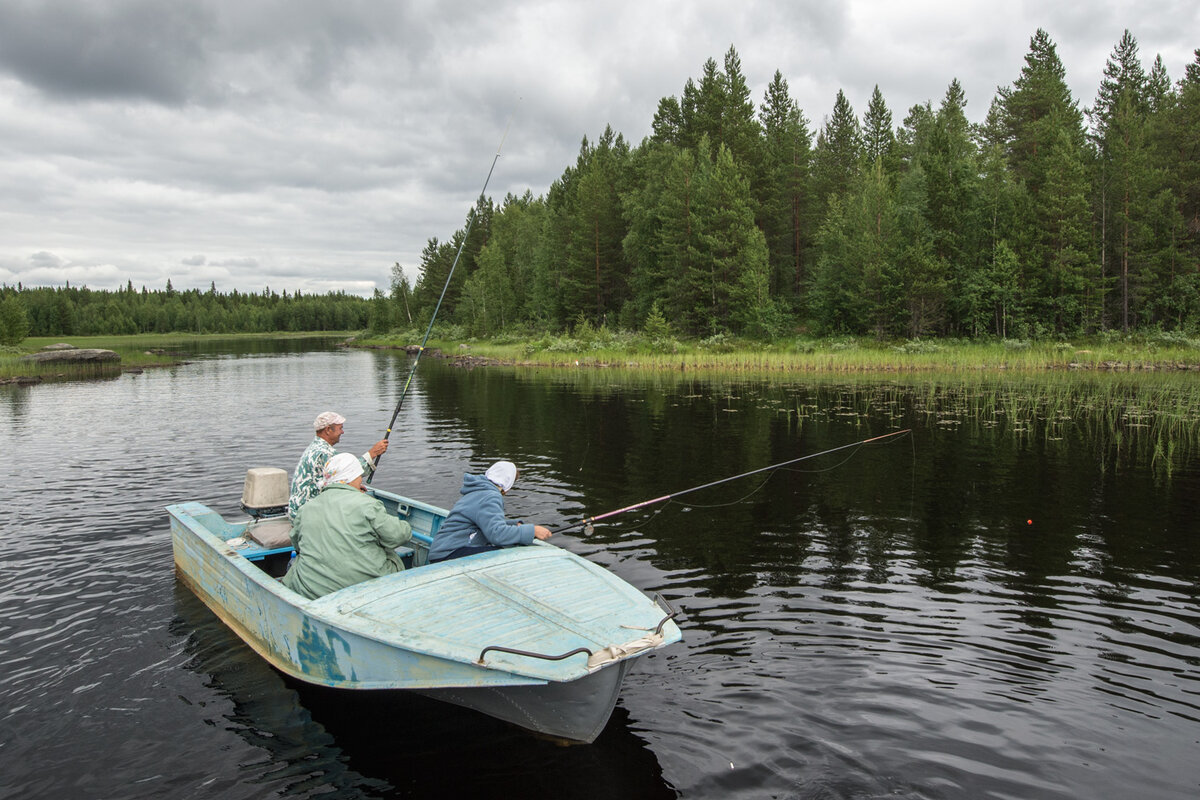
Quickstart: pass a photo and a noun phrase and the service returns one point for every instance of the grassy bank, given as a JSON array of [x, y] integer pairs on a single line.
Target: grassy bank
[[830, 355], [142, 351]]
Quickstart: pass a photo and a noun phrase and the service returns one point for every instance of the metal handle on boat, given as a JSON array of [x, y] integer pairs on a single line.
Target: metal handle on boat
[[674, 612], [545, 656]]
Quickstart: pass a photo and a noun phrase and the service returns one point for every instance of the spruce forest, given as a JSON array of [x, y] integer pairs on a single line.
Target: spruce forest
[[1044, 220]]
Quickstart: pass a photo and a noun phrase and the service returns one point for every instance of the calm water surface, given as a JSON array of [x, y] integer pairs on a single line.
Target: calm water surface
[[966, 612]]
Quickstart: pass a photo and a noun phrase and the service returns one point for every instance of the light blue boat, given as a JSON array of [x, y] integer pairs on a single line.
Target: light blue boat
[[534, 635]]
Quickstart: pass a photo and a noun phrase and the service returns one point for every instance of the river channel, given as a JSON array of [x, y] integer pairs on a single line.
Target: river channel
[[988, 607]]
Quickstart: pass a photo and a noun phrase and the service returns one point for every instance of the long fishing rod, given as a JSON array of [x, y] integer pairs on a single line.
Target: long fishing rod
[[644, 503], [420, 351]]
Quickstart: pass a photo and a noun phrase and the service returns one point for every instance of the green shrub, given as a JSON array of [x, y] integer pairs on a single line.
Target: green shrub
[[14, 322]]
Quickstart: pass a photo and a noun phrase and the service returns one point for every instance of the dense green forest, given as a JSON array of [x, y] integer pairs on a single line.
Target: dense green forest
[[1043, 220], [71, 310]]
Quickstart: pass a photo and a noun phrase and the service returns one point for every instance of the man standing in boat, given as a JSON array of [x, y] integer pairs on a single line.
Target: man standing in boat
[[329, 427], [476, 524], [343, 536]]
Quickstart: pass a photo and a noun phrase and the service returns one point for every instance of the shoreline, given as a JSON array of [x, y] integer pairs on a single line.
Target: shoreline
[[745, 361], [834, 356]]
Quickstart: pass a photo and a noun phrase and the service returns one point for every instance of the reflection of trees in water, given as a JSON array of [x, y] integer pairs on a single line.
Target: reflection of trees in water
[[1083, 457], [344, 744]]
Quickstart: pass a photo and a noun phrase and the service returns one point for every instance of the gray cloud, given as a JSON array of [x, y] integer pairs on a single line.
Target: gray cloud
[[136, 49], [44, 260]]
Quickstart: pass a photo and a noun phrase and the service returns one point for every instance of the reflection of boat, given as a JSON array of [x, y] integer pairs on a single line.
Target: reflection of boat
[[534, 635]]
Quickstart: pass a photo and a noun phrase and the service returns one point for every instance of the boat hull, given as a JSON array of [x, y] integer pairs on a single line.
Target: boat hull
[[336, 642]]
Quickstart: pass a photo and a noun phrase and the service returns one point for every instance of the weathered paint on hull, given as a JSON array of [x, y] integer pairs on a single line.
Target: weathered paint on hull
[[312, 650], [302, 645]]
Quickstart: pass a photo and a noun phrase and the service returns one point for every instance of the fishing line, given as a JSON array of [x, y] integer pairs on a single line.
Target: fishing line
[[755, 490], [588, 521], [741, 499], [838, 465], [421, 350]]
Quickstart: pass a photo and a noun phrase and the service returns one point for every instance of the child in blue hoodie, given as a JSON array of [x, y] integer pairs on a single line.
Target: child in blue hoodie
[[476, 524]]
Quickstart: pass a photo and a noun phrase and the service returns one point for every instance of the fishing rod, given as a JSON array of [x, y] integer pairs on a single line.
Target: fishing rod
[[470, 221], [588, 521]]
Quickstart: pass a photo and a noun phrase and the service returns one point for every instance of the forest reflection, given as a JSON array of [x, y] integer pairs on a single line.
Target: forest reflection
[[1017, 478]]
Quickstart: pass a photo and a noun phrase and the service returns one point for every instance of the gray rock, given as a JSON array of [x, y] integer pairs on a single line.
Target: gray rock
[[72, 355], [59, 346]]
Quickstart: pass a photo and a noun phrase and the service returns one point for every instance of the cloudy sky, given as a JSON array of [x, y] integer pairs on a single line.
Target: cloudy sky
[[305, 144]]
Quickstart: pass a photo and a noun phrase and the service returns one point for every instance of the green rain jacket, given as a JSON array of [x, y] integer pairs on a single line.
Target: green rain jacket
[[342, 537]]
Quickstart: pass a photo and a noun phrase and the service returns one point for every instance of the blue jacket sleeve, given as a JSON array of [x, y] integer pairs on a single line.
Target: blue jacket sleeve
[[496, 529]]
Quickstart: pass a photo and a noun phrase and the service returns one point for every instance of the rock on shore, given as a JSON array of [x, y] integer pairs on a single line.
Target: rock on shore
[[59, 354]]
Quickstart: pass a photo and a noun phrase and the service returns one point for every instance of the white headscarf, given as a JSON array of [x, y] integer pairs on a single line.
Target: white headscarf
[[327, 418], [342, 468], [503, 474]]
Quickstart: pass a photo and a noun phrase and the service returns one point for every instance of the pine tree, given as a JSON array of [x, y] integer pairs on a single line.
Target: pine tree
[[951, 171], [1119, 120], [667, 127], [879, 140], [596, 280], [1035, 107], [1184, 165], [682, 261], [1044, 140], [734, 254], [438, 261], [710, 100], [401, 291], [642, 209], [663, 244], [14, 320], [837, 154], [1073, 276], [380, 316], [857, 288], [784, 209], [550, 279]]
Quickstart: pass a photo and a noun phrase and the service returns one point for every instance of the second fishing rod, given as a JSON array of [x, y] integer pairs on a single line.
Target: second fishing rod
[[421, 350], [589, 521]]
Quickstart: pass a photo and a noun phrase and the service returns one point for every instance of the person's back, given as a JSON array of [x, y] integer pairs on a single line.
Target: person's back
[[343, 537], [477, 524]]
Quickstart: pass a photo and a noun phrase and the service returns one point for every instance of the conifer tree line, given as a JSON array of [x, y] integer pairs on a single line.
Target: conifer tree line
[[69, 310], [1045, 219]]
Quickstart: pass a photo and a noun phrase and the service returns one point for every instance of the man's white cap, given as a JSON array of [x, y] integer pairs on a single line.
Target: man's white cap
[[327, 418], [503, 474]]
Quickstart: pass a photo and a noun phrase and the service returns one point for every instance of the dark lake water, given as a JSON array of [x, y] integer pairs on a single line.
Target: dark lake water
[[988, 608]]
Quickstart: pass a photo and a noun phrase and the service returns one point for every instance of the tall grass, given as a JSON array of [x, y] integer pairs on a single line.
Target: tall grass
[[837, 355], [1150, 418]]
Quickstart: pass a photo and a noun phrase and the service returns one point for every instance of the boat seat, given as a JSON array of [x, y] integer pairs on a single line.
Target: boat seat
[[271, 533]]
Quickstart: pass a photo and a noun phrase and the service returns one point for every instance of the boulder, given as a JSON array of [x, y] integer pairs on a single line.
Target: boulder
[[59, 346], [74, 355]]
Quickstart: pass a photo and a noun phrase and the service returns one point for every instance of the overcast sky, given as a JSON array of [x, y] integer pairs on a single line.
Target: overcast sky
[[303, 144]]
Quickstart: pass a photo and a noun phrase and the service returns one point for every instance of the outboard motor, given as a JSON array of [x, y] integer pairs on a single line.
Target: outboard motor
[[266, 492]]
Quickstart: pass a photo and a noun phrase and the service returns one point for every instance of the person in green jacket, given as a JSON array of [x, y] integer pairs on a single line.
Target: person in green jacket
[[343, 536]]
